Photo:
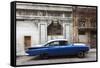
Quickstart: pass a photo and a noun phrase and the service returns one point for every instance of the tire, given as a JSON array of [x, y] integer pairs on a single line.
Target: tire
[[81, 54]]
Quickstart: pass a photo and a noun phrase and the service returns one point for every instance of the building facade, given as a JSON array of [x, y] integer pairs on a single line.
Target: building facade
[[38, 23], [85, 25]]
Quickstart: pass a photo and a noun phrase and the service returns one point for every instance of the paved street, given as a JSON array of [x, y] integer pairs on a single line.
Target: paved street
[[27, 60]]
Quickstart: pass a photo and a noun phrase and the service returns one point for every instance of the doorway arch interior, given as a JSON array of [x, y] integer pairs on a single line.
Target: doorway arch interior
[[54, 30]]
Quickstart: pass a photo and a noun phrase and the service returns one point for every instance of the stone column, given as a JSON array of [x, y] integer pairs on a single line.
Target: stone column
[[88, 25], [75, 29]]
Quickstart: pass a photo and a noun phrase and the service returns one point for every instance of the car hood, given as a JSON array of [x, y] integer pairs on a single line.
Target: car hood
[[36, 47]]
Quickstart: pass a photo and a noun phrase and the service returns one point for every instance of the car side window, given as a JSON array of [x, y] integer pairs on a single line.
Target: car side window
[[55, 43], [63, 43]]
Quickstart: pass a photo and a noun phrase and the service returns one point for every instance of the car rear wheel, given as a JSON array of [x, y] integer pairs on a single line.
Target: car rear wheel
[[81, 54]]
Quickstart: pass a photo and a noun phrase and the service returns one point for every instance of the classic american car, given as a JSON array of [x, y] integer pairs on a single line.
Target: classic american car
[[59, 47]]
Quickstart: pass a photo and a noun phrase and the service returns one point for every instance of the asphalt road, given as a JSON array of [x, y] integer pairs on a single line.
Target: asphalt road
[[27, 60]]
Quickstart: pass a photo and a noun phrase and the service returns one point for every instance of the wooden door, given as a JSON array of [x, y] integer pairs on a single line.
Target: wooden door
[[27, 42]]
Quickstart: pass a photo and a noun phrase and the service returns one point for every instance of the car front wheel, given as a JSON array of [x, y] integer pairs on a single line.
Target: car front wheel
[[44, 55]]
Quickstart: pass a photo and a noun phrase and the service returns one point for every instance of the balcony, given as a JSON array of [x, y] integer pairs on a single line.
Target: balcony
[[87, 27]]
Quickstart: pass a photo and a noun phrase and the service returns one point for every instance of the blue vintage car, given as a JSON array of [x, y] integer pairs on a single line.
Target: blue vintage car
[[59, 47]]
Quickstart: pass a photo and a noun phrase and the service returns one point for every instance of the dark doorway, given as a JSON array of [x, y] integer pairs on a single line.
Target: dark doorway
[[27, 41], [93, 39]]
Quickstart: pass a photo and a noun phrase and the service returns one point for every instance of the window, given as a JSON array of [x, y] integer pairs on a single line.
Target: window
[[42, 13], [67, 14], [26, 12], [57, 43], [54, 13], [63, 42], [81, 32], [82, 22], [54, 43], [93, 22]]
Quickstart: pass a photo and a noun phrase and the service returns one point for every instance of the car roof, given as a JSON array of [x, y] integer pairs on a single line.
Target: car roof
[[58, 40], [55, 40]]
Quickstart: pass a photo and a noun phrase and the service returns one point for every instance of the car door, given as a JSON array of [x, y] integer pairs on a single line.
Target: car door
[[68, 49], [53, 48], [64, 48]]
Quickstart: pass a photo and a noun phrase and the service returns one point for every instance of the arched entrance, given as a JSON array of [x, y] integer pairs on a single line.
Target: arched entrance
[[54, 30]]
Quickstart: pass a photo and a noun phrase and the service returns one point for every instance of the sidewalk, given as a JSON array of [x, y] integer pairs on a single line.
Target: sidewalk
[[93, 50], [23, 59]]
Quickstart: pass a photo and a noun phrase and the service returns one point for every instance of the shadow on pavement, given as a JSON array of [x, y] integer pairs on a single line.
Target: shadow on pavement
[[53, 57]]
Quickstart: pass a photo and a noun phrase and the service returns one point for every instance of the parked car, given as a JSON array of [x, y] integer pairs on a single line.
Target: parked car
[[59, 47]]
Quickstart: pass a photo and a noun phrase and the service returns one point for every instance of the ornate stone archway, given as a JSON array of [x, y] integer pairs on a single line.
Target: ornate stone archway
[[54, 30]]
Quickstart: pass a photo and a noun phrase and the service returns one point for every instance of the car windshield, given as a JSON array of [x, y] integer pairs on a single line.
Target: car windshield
[[56, 43]]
